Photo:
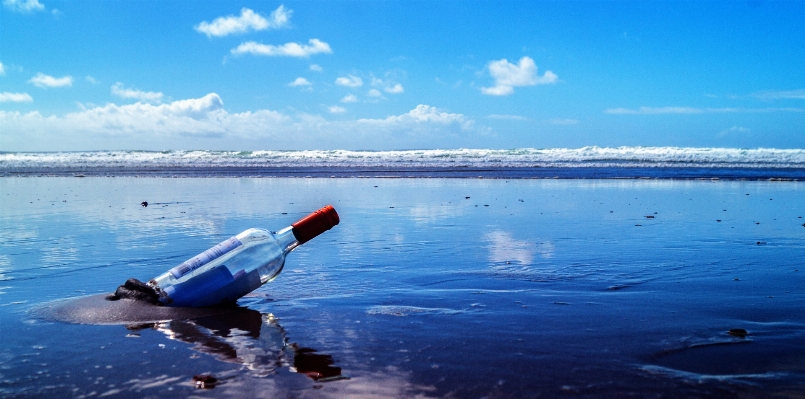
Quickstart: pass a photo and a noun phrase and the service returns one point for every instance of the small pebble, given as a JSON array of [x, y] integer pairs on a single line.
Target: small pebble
[[205, 381], [738, 332]]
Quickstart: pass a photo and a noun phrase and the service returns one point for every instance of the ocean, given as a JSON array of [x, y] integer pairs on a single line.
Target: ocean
[[582, 163], [638, 272]]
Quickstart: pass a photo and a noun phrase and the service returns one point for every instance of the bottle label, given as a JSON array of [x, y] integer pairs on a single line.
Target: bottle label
[[205, 257]]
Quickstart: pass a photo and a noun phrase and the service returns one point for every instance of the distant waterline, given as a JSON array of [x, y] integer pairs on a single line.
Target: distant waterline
[[586, 162]]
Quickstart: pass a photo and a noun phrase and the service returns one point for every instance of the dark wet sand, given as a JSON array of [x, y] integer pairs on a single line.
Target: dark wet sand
[[428, 288]]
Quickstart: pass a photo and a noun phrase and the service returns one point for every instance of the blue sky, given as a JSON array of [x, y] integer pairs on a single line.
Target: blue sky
[[225, 75]]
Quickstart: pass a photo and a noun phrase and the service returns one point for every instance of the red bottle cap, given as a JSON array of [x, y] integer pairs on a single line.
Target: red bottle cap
[[314, 224]]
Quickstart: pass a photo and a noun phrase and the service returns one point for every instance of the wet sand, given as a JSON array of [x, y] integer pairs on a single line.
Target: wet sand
[[428, 287]]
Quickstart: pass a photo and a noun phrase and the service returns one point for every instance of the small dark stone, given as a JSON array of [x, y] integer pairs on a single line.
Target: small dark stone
[[466, 197], [718, 220], [650, 217], [144, 204], [137, 290], [738, 332], [205, 381], [140, 326]]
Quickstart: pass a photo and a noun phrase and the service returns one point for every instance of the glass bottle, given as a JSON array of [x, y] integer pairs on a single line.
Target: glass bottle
[[238, 265]]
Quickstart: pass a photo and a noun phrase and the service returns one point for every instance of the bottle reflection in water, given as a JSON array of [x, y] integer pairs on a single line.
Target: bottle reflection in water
[[239, 265], [247, 337]]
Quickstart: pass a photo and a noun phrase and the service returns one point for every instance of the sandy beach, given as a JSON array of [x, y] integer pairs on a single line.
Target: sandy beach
[[428, 288]]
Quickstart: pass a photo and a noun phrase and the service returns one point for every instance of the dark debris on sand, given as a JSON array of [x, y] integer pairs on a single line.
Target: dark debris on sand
[[738, 332], [135, 289], [205, 381]]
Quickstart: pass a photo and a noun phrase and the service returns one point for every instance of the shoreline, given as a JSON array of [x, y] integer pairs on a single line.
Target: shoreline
[[568, 173]]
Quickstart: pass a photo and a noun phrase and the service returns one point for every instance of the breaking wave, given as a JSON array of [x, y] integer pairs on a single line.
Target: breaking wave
[[598, 157]]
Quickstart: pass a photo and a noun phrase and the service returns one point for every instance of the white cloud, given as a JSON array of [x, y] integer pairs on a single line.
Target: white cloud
[[246, 21], [204, 120], [280, 17], [374, 93], [336, 109], [396, 89], [508, 117], [42, 80], [387, 86], [735, 131], [300, 81], [508, 76], [781, 95], [655, 110], [23, 5], [349, 81], [693, 110], [350, 98], [147, 96], [498, 90], [90, 79], [15, 97], [2, 69], [423, 113], [315, 46], [196, 116], [316, 68]]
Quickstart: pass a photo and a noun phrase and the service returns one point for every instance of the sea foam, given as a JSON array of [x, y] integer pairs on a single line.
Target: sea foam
[[598, 157]]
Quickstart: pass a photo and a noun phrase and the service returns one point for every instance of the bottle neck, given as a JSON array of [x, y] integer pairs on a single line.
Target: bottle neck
[[286, 239]]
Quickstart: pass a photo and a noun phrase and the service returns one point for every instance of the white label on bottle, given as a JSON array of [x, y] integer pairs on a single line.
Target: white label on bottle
[[205, 257]]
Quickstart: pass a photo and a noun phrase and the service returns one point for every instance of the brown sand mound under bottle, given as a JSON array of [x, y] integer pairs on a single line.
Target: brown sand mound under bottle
[[97, 309]]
